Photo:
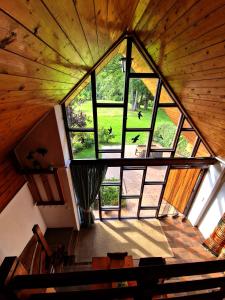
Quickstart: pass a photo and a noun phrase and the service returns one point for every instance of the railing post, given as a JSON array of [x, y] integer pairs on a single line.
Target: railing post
[[37, 231], [10, 267]]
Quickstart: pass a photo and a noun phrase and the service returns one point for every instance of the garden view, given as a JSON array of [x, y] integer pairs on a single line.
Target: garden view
[[110, 89]]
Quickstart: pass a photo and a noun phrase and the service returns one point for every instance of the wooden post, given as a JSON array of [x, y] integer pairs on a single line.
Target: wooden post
[[37, 231]]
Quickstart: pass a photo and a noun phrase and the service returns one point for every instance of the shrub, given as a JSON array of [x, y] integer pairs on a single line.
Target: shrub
[[109, 195], [164, 135], [104, 136], [81, 141]]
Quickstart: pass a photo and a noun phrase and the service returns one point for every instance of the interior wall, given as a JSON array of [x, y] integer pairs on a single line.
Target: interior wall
[[216, 210], [61, 216], [49, 133], [16, 222], [67, 177]]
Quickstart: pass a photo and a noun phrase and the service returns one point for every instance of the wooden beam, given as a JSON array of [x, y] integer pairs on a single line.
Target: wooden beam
[[118, 162]]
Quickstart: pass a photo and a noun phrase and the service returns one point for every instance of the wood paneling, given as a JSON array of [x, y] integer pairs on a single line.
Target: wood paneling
[[187, 45], [45, 49], [47, 46], [179, 187], [10, 183]]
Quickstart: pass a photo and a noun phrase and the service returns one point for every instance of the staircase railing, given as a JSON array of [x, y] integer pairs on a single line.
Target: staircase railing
[[80, 285]]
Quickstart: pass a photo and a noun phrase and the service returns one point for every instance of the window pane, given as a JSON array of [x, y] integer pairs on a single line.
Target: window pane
[[141, 100], [129, 178], [165, 128], [156, 173], [167, 209], [159, 154], [110, 81], [186, 124], [186, 144], [139, 64], [110, 126], [83, 145], [110, 155], [165, 97], [129, 208], [95, 209], [109, 196], [136, 144], [147, 214], [202, 151], [112, 174], [79, 111], [110, 214], [151, 195]]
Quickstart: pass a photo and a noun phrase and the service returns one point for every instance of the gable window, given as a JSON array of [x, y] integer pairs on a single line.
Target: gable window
[[131, 114]]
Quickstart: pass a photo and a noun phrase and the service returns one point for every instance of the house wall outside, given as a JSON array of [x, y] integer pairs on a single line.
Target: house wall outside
[[216, 209], [16, 223]]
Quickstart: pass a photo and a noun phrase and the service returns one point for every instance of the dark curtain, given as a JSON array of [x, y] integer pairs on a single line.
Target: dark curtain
[[87, 180]]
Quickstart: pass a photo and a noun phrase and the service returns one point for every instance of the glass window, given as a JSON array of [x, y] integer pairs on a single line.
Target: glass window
[[109, 196], [140, 102], [186, 144], [165, 128], [165, 97], [110, 122], [110, 81], [112, 174], [79, 111], [139, 64], [156, 173], [129, 208], [129, 178], [151, 195], [186, 124], [83, 145], [136, 144], [202, 151], [147, 213]]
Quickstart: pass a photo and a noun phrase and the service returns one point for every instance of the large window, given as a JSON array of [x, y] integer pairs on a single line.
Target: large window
[[129, 113]]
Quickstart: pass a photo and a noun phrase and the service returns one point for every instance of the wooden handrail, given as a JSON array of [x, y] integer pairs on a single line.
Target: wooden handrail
[[37, 231], [120, 293], [164, 161], [148, 285], [152, 273]]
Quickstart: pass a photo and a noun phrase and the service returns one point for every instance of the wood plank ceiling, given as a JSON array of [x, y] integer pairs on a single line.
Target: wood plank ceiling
[[46, 46]]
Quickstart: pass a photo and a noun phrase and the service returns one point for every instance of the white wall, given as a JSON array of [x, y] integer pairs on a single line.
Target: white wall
[[63, 215], [68, 184], [50, 133], [16, 222], [217, 208]]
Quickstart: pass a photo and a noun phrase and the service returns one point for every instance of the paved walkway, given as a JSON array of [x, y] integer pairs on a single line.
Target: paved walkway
[[132, 180]]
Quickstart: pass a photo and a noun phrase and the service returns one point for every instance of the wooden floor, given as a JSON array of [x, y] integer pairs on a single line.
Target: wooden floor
[[184, 239]]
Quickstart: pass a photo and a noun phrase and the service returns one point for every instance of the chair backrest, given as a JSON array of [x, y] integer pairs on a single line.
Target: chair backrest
[[117, 255]]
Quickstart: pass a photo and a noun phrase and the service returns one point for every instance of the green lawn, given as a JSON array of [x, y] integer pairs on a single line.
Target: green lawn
[[113, 117]]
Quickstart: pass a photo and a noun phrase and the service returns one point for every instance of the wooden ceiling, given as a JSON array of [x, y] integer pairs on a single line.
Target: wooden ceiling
[[46, 46]]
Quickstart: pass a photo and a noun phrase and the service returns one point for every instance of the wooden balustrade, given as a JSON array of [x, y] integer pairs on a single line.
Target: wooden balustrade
[[148, 285], [45, 186]]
